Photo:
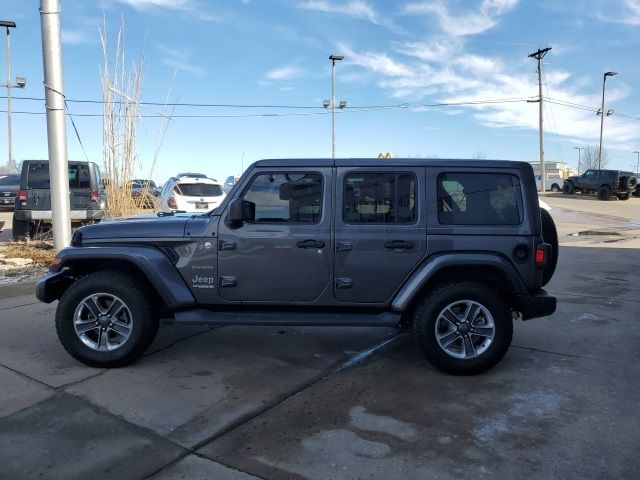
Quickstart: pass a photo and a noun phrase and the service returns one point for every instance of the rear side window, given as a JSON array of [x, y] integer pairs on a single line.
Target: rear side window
[[379, 197], [289, 197], [479, 199], [198, 190]]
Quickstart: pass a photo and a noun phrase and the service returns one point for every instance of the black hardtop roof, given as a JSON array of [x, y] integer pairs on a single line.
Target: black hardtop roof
[[387, 162], [47, 161]]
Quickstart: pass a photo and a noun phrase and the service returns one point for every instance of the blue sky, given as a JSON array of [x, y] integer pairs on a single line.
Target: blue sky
[[272, 52]]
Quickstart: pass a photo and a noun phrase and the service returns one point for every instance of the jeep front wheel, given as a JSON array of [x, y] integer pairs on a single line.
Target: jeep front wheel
[[463, 328], [106, 319]]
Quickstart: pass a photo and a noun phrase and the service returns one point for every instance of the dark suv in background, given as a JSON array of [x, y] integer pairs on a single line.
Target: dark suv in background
[[604, 183], [32, 212], [452, 250], [9, 186]]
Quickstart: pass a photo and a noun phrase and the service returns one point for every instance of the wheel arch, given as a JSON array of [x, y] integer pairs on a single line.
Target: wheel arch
[[149, 265], [486, 268]]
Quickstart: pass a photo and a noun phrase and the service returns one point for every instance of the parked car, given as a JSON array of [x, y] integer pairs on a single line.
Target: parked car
[[453, 250], [32, 212], [9, 186], [603, 183], [190, 194], [146, 191], [551, 184]]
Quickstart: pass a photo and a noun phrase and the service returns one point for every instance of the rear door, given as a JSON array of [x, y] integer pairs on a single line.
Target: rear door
[[38, 187], [380, 231]]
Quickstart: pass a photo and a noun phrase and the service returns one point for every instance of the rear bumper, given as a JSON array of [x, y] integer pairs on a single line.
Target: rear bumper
[[535, 304], [46, 216]]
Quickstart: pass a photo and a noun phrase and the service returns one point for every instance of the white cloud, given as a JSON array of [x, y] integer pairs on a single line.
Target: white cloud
[[76, 37], [285, 73], [353, 8], [462, 24], [179, 60], [192, 8]]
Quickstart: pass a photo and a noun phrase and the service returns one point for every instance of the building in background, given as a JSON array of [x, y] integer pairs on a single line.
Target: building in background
[[554, 169]]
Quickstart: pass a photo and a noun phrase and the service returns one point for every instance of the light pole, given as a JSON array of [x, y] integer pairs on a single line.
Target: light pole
[[579, 157], [20, 82], [604, 82], [637, 161], [332, 102]]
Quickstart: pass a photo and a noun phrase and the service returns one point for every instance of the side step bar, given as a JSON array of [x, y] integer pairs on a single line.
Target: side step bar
[[203, 316]]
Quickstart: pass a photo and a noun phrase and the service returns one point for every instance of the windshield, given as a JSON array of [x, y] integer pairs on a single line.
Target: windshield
[[198, 190], [9, 180]]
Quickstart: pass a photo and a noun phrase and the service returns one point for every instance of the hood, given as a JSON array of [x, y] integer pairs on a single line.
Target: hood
[[142, 226], [573, 177]]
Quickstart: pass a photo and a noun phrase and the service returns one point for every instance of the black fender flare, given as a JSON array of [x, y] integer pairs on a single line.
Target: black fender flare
[[152, 262], [432, 265]]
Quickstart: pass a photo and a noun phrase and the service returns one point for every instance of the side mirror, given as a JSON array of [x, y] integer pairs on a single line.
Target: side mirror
[[241, 210]]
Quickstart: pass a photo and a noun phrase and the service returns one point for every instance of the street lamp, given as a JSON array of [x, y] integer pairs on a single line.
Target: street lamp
[[20, 83], [332, 104], [637, 161], [579, 156], [602, 113]]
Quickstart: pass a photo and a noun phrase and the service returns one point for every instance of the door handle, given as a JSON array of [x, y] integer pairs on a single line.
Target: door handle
[[343, 246], [223, 245], [398, 245], [310, 244]]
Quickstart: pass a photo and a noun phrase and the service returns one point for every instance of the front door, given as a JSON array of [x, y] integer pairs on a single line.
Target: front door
[[284, 254], [380, 231]]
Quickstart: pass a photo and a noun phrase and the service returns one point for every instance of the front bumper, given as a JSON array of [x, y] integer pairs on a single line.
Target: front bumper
[[46, 216], [535, 304], [52, 286]]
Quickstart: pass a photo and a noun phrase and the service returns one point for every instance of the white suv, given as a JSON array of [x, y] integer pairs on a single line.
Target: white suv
[[192, 193]]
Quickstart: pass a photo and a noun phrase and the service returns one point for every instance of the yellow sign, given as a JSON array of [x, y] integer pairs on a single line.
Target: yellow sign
[[384, 155]]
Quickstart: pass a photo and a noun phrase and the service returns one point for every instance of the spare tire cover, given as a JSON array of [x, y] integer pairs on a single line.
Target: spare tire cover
[[550, 236]]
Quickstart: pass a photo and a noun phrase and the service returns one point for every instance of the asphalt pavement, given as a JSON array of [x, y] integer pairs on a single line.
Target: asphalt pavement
[[339, 403]]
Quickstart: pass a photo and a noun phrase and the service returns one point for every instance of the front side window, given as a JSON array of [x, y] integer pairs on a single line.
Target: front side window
[[479, 199], [286, 197], [379, 197]]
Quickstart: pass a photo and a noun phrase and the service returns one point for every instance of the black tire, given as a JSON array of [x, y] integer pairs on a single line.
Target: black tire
[[555, 187], [630, 182], [550, 236], [568, 188], [624, 196], [425, 322], [604, 192], [19, 229], [143, 319]]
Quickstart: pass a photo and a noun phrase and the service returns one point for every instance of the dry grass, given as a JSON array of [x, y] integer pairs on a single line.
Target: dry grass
[[121, 94], [41, 253]]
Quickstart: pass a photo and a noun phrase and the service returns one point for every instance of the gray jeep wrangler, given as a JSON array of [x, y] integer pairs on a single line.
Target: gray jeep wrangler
[[453, 250]]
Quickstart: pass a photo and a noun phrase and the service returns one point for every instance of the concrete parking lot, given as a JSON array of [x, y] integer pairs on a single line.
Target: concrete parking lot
[[293, 403]]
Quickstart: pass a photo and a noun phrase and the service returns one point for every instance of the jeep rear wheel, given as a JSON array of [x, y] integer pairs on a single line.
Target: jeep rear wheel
[[106, 319], [604, 192], [568, 188], [550, 236], [624, 196], [463, 328]]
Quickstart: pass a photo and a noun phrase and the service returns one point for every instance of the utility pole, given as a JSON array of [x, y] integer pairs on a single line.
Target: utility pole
[[539, 55], [637, 170], [602, 114], [579, 157], [56, 126], [332, 103]]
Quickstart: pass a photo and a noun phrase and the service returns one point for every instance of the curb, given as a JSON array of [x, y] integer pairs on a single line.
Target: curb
[[18, 289]]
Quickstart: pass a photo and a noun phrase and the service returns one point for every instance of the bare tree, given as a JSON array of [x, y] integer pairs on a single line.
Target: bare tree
[[480, 155], [590, 158]]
